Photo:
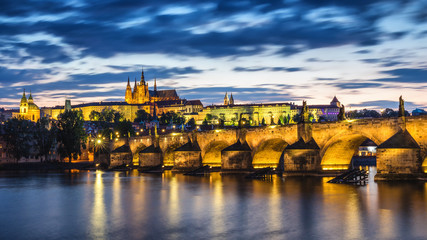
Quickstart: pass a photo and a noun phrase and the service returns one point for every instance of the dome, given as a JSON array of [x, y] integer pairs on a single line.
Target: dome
[[32, 106]]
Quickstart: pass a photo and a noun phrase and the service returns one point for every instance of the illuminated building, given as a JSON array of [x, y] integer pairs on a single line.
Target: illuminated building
[[28, 109], [140, 98], [267, 113]]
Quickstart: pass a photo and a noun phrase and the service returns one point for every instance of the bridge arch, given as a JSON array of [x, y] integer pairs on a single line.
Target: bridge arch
[[135, 156], [168, 159], [212, 153], [268, 153], [339, 150]]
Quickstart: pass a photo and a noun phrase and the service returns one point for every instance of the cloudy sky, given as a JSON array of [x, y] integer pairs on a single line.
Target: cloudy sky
[[365, 52]]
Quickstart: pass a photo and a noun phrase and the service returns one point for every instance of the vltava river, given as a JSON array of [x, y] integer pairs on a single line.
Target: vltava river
[[116, 205]]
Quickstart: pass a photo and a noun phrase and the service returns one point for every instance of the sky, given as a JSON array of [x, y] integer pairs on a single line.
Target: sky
[[365, 52]]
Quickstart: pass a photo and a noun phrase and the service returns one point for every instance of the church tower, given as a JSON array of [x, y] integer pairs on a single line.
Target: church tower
[[23, 107], [128, 96], [335, 102], [30, 99], [143, 95], [226, 100], [231, 101]]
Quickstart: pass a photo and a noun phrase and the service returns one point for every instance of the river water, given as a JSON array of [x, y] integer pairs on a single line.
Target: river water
[[118, 205]]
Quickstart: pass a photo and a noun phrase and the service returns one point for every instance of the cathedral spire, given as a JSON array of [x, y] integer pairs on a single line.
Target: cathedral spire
[[155, 84], [226, 100], [24, 98], [142, 77], [128, 82], [30, 98], [231, 101]]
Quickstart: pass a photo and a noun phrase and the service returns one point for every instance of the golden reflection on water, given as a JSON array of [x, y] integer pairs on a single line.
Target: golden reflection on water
[[174, 204], [98, 216], [275, 205], [217, 203], [117, 200], [344, 199]]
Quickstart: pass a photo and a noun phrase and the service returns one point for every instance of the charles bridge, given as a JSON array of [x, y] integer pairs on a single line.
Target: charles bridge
[[299, 148]]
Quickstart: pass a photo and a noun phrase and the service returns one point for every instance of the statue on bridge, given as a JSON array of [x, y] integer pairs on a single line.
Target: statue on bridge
[[304, 112], [341, 114], [401, 107]]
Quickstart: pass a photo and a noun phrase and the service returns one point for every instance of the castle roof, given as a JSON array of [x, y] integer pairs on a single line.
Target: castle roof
[[164, 93], [193, 102], [401, 139], [335, 99]]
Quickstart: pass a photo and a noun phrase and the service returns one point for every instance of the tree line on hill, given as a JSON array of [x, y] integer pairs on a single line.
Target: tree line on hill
[[25, 138]]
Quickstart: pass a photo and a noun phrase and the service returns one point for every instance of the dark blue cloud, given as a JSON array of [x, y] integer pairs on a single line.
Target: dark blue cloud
[[9, 76], [386, 104], [356, 85], [48, 52], [406, 75], [385, 62], [363, 51], [94, 27], [272, 69]]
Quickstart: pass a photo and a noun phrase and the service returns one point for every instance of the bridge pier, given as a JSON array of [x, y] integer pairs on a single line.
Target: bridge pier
[[236, 157], [399, 158], [302, 157], [187, 157]]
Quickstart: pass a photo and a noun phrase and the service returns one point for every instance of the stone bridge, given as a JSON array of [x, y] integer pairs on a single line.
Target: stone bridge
[[309, 147]]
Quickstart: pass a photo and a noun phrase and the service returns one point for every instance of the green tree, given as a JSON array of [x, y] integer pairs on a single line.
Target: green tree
[[171, 118], [221, 123], [233, 121], [142, 116], [388, 112], [263, 122], [18, 135], [71, 134], [124, 128], [310, 117], [94, 115], [209, 117], [191, 123], [45, 137], [296, 118], [118, 117], [107, 115]]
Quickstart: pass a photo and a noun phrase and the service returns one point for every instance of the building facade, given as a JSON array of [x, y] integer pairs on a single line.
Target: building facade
[[266, 113], [140, 97], [28, 109]]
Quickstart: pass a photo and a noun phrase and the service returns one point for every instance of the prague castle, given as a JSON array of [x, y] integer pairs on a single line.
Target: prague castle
[[140, 98], [162, 101]]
